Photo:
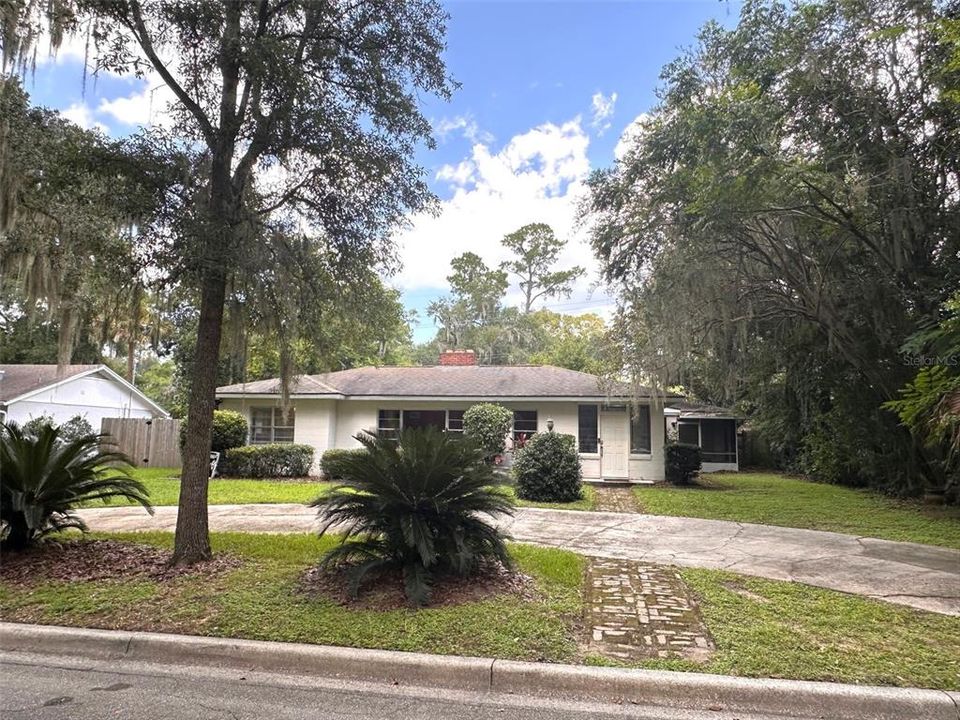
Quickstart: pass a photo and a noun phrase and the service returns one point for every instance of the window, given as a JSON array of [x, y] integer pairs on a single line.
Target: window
[[455, 421], [524, 425], [640, 430], [588, 428], [388, 424], [269, 425]]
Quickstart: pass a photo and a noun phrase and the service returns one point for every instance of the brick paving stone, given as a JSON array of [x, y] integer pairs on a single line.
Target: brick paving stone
[[637, 611], [618, 499]]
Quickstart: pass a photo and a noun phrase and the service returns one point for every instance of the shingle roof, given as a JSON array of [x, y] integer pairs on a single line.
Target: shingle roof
[[696, 410], [484, 381], [18, 380]]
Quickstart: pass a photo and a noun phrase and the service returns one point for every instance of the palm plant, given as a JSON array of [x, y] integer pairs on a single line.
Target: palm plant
[[43, 477], [414, 504]]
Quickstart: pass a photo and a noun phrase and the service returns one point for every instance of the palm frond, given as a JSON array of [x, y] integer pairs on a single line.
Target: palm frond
[[417, 504]]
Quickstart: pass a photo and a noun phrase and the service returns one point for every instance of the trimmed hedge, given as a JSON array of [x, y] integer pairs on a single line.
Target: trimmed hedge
[[269, 461], [682, 461], [229, 431], [487, 424], [547, 469], [332, 456]]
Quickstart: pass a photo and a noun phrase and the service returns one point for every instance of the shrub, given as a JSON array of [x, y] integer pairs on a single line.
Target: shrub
[[34, 425], [73, 429], [547, 469], [682, 462], [333, 455], [415, 505], [269, 461], [229, 430], [44, 476], [487, 424]]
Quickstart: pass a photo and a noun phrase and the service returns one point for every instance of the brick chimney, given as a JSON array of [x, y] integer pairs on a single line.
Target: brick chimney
[[458, 357]]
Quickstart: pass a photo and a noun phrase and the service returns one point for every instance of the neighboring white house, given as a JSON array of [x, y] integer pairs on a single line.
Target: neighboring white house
[[92, 391], [620, 434]]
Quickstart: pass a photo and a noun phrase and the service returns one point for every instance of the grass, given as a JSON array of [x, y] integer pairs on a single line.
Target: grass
[[588, 502], [164, 487], [766, 628], [260, 600], [771, 499], [762, 628]]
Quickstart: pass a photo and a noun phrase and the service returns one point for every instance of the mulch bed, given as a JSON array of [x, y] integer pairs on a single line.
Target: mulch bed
[[88, 560], [384, 590]]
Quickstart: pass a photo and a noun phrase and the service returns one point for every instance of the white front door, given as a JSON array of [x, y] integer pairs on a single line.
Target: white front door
[[616, 444]]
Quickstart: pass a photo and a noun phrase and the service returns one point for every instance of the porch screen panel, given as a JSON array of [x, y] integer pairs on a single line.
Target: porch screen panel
[[587, 428], [718, 441], [687, 432]]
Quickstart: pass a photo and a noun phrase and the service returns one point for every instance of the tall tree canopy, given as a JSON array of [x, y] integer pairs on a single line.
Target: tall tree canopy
[[321, 98], [476, 316], [788, 216], [74, 225], [537, 249]]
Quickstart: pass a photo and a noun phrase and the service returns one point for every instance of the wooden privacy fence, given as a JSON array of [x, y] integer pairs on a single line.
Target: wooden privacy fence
[[148, 442]]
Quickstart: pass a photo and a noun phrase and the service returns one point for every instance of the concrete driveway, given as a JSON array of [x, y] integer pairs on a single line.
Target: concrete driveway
[[920, 576]]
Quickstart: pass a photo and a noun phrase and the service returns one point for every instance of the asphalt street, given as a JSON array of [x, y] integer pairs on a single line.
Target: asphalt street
[[60, 687]]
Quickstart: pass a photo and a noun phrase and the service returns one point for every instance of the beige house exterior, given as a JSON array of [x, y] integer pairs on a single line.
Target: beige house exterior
[[620, 436]]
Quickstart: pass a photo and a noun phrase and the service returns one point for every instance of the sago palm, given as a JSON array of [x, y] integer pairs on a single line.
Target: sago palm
[[43, 477], [415, 504]]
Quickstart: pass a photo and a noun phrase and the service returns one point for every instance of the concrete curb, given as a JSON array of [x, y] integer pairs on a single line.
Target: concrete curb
[[678, 691]]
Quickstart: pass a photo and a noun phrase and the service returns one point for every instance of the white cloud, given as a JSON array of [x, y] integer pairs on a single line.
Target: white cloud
[[467, 126], [603, 107], [149, 104], [81, 114], [538, 176], [631, 133]]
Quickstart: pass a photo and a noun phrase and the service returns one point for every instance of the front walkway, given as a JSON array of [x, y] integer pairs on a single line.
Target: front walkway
[[920, 576]]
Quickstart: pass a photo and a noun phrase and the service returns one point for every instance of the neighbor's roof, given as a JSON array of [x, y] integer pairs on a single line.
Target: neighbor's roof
[[686, 409], [461, 381], [19, 380]]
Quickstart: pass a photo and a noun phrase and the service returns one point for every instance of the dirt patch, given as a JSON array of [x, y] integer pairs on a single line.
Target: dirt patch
[[743, 592], [384, 590], [90, 560]]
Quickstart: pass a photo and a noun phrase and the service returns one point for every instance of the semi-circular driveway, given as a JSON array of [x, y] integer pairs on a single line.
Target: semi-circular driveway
[[920, 576]]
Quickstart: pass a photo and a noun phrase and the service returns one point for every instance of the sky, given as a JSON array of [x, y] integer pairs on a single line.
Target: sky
[[548, 92]]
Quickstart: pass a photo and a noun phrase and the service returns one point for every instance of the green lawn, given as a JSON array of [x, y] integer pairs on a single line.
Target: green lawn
[[772, 499], [788, 630], [588, 502], [164, 487], [762, 628], [261, 600]]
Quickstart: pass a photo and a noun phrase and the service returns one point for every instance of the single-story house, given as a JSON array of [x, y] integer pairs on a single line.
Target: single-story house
[[94, 392], [620, 434], [713, 428]]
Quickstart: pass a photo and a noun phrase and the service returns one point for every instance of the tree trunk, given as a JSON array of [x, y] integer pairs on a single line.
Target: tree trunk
[[68, 328], [192, 541], [18, 536]]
